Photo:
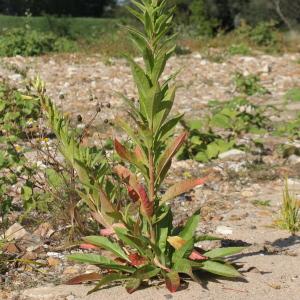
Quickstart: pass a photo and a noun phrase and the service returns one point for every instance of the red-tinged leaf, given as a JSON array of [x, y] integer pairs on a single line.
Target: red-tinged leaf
[[110, 231], [132, 285], [132, 184], [181, 187], [122, 151], [172, 281], [137, 260], [84, 278], [147, 206], [195, 255], [170, 152], [88, 247], [133, 194], [129, 156], [139, 154]]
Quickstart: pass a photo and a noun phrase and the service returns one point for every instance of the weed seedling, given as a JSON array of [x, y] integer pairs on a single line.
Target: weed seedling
[[290, 211]]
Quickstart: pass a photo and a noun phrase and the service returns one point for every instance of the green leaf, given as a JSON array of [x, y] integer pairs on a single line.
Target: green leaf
[[221, 269], [109, 279], [146, 272], [184, 251], [222, 252], [105, 243], [26, 192], [221, 121], [172, 281], [190, 227], [206, 238], [133, 284], [131, 241], [101, 261]]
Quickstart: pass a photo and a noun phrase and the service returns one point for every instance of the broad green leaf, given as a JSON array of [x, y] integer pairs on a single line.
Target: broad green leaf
[[221, 269], [222, 252], [105, 243]]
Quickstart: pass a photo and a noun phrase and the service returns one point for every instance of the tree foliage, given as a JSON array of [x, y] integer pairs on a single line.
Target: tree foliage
[[73, 8]]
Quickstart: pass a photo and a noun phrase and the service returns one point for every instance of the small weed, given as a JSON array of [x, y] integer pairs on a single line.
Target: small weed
[[290, 211], [218, 130], [263, 203], [239, 49], [249, 84], [293, 95]]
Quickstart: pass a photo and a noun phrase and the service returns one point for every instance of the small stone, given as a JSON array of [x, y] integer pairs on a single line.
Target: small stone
[[15, 232], [53, 262], [92, 269], [294, 160], [30, 256], [44, 230], [11, 248], [71, 270], [234, 153], [247, 194], [224, 230]]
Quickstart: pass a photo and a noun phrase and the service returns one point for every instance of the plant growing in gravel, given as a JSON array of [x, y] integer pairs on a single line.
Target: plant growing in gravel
[[249, 84], [143, 242], [290, 211], [19, 113], [218, 131]]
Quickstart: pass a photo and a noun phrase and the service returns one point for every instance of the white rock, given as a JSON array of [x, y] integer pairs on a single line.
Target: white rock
[[224, 230], [232, 153], [15, 77], [294, 159], [15, 232]]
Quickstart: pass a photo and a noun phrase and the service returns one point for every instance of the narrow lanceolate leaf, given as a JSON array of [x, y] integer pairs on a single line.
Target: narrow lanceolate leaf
[[128, 155], [132, 285], [222, 252], [107, 280], [180, 188], [84, 278], [190, 227], [100, 260], [221, 269], [105, 243], [172, 281], [170, 152]]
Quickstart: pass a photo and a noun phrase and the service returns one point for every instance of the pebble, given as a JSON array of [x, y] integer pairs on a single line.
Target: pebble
[[15, 232], [224, 230], [234, 153]]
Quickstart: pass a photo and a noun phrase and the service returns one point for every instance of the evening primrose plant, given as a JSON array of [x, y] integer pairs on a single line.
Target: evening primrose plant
[[142, 241]]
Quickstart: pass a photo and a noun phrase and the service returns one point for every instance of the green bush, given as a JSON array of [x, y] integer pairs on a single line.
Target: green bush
[[27, 42], [19, 114], [249, 85]]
